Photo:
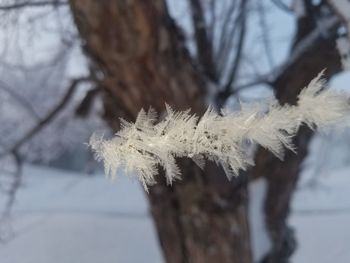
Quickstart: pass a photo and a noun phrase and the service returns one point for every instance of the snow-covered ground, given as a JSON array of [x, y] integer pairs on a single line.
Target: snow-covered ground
[[61, 217], [320, 207], [321, 217]]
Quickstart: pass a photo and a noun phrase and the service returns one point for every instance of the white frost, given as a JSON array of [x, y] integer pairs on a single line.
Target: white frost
[[142, 146]]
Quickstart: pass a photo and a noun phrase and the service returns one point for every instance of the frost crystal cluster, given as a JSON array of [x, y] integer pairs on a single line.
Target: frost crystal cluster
[[141, 147]]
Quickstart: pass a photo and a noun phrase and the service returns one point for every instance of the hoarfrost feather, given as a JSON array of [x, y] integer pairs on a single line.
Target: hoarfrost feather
[[144, 146]]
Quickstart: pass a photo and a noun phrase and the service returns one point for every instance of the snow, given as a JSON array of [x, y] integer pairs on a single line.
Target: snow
[[81, 237], [331, 193], [321, 204], [320, 211], [322, 238], [64, 217], [321, 218], [261, 243], [46, 189]]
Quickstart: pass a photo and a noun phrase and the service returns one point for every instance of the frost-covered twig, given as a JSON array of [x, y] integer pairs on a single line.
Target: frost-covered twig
[[142, 146]]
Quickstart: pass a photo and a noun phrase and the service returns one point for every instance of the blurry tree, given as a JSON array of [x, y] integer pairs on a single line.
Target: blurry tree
[[140, 57]]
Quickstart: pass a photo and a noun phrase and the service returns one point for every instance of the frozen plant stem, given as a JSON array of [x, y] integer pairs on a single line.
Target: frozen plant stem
[[142, 146]]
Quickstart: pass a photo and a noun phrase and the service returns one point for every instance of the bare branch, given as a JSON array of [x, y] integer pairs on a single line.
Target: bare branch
[[339, 7], [15, 185], [30, 4], [260, 80], [323, 212], [265, 33], [21, 100], [283, 6], [238, 57], [211, 30], [308, 42], [329, 25], [225, 36], [221, 97], [203, 43], [84, 106], [239, 51], [10, 192], [49, 117]]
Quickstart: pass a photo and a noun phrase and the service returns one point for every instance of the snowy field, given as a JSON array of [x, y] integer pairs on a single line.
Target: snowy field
[[60, 217], [321, 216]]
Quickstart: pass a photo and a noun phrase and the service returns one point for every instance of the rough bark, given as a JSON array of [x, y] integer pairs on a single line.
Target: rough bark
[[139, 61]]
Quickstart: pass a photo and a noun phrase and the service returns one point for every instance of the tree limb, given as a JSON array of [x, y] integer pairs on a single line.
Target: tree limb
[[226, 92], [225, 36], [212, 25], [29, 4], [308, 42], [203, 43], [265, 34], [16, 183], [239, 50], [283, 6], [21, 100], [48, 118]]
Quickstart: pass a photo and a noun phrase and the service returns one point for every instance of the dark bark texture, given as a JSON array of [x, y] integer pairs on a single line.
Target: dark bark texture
[[282, 176], [139, 61]]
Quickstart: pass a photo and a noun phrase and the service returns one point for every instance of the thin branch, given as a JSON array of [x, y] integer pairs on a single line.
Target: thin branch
[[211, 30], [308, 42], [257, 81], [49, 117], [342, 13], [265, 34], [225, 36], [223, 95], [29, 4], [12, 190], [328, 212], [15, 185], [84, 106], [203, 43], [21, 100], [281, 5]]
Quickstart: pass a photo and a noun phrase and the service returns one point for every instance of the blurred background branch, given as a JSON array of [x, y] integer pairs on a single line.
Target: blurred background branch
[[30, 4]]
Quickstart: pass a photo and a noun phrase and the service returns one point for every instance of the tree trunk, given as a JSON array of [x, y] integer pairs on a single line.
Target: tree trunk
[[282, 176], [139, 60]]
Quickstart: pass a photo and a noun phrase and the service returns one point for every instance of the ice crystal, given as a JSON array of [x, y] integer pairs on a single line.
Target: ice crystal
[[141, 147]]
